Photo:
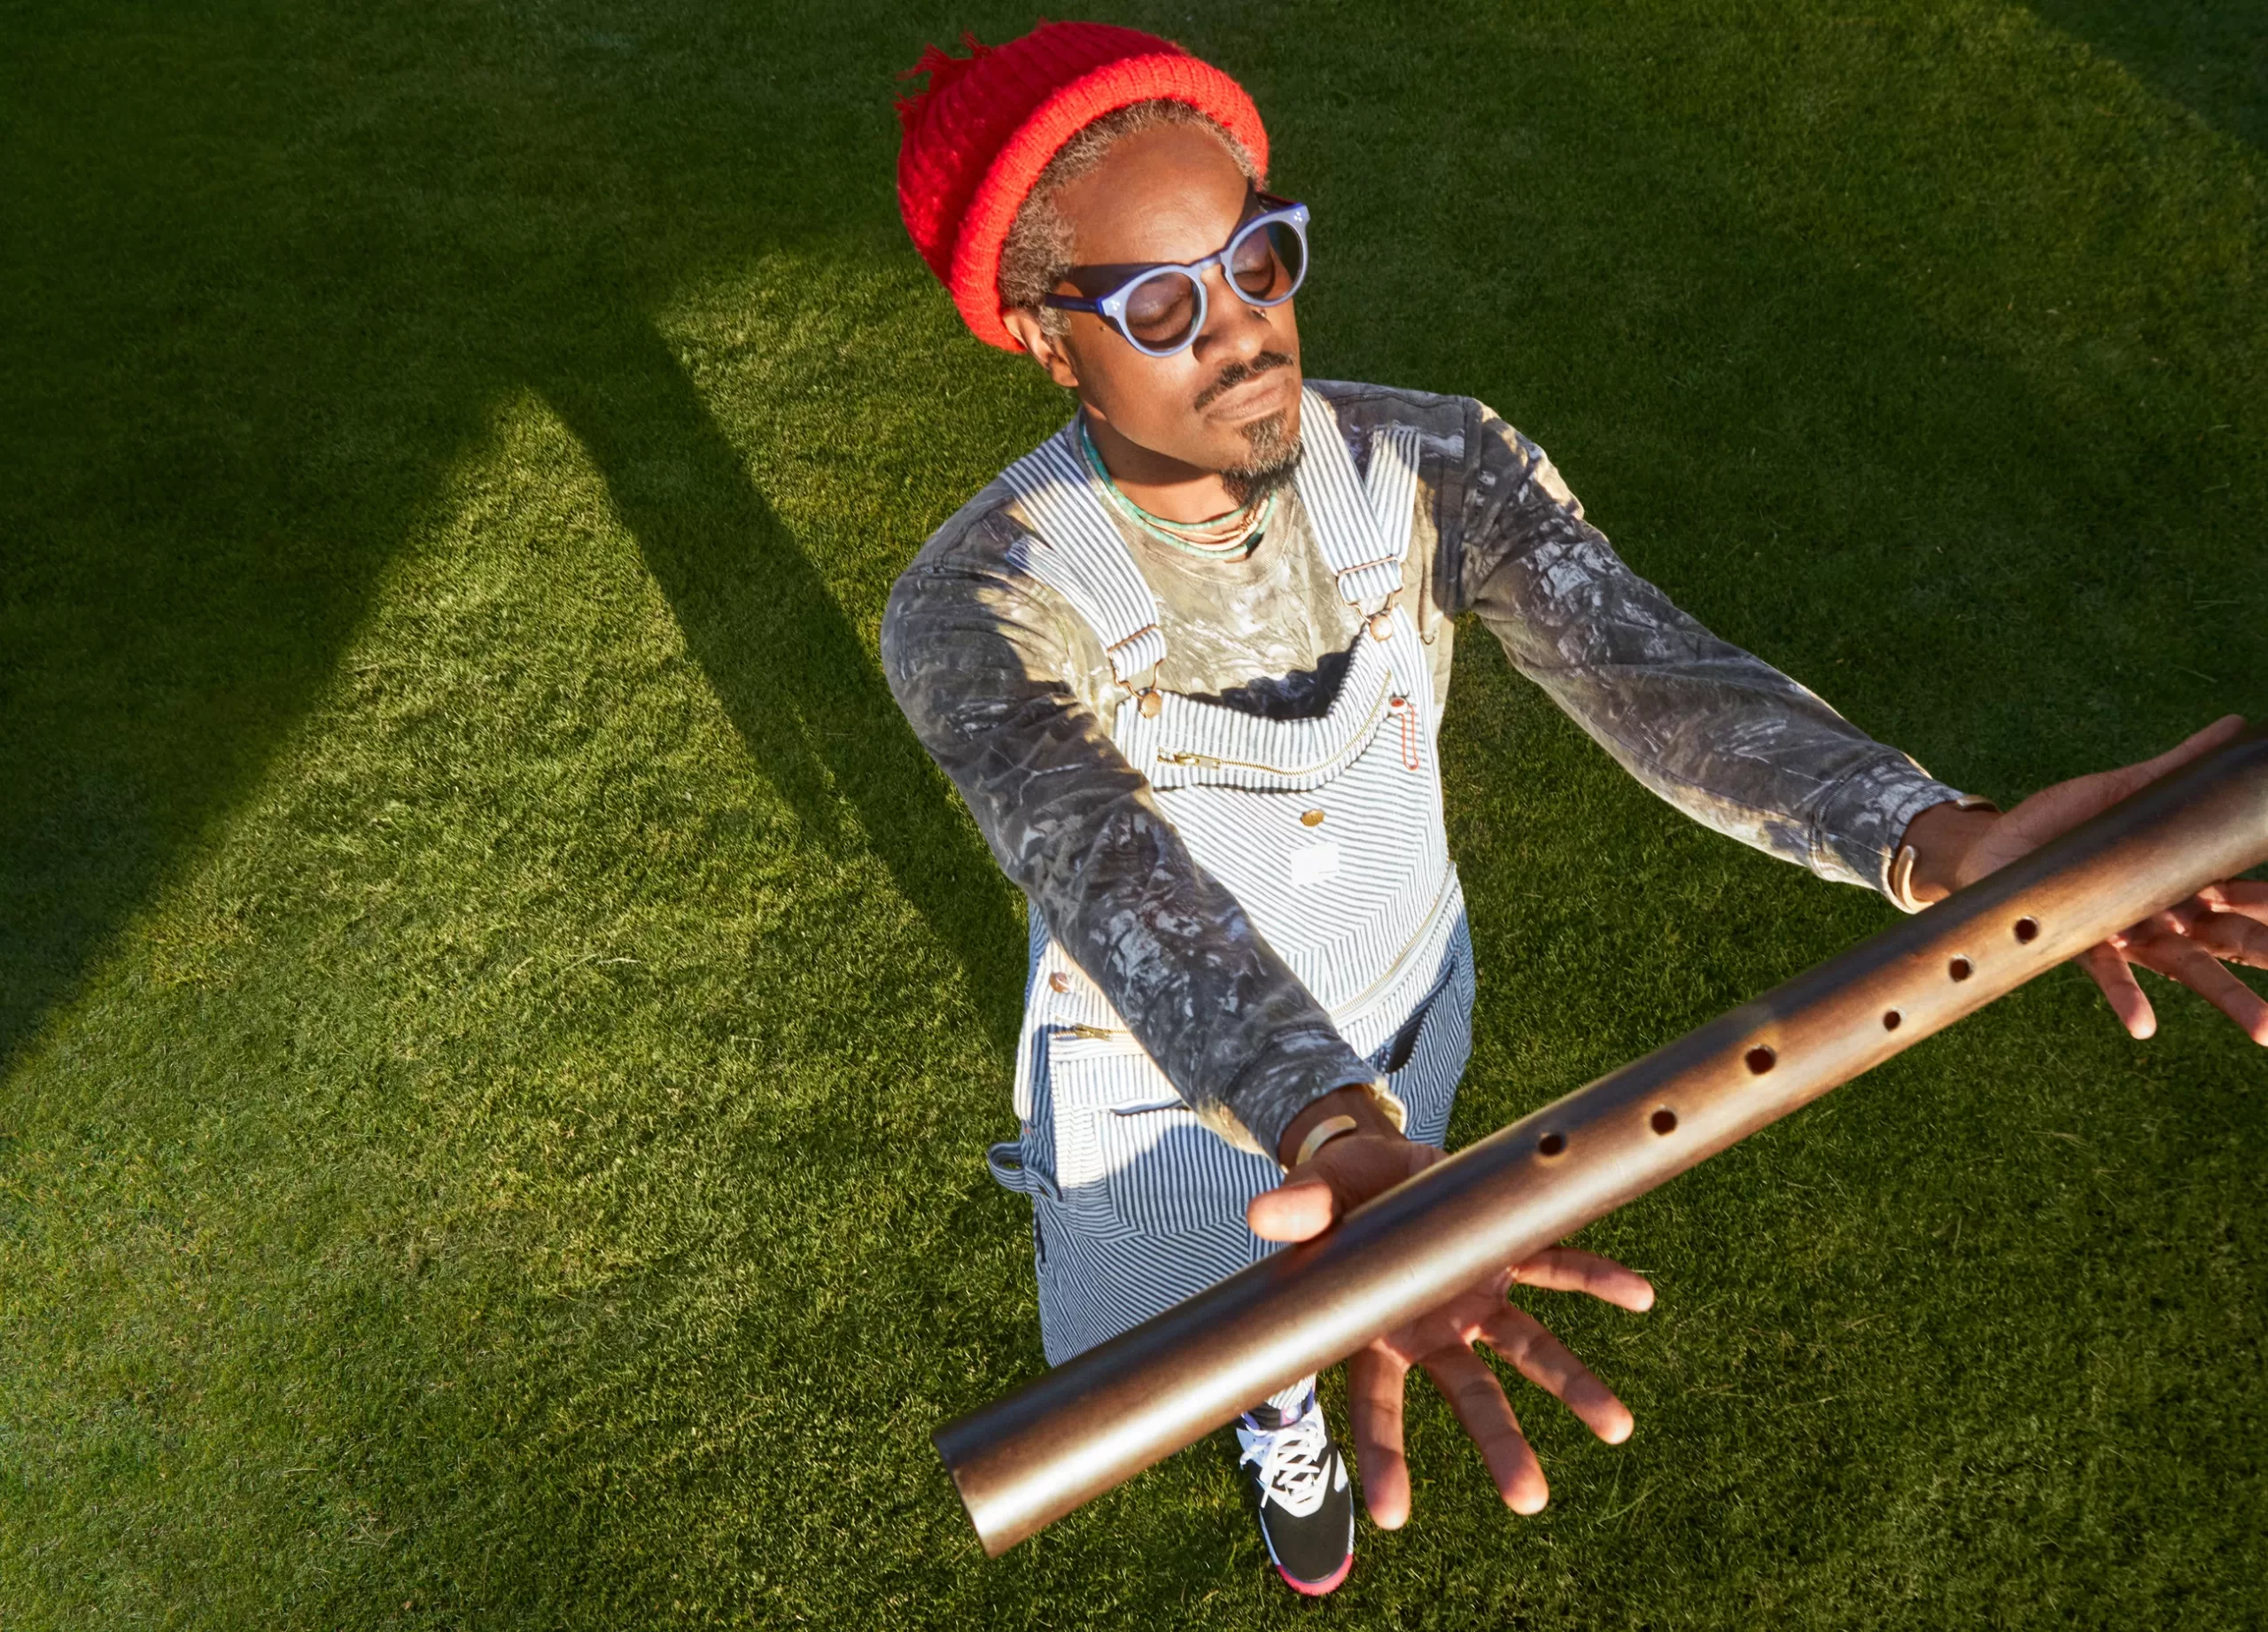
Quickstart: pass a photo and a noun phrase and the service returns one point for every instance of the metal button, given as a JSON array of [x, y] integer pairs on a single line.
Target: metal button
[[1060, 981], [1381, 625], [1310, 819], [1152, 702]]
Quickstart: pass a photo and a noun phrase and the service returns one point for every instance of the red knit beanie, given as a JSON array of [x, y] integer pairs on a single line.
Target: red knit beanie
[[977, 138]]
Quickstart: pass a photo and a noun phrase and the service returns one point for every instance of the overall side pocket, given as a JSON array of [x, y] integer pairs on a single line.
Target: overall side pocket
[[1424, 1059], [1132, 1159]]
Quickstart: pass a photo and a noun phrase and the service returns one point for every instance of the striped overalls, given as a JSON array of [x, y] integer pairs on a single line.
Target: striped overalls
[[1329, 833]]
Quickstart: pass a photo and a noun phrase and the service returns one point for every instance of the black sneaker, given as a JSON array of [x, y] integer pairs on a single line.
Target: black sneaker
[[1307, 1511]]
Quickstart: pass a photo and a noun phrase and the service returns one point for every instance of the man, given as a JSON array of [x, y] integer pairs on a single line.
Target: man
[[1187, 662]]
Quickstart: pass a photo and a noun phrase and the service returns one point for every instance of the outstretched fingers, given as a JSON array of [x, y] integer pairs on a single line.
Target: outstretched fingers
[[1441, 1341], [1551, 1366], [2238, 895], [2231, 937], [2178, 959], [1478, 1399], [1570, 1269], [1374, 1385], [2107, 966]]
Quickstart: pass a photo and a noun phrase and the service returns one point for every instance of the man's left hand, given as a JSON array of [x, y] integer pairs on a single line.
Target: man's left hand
[[2189, 941]]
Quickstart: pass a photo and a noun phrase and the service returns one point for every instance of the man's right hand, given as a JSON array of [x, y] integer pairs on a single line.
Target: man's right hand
[[1348, 1171]]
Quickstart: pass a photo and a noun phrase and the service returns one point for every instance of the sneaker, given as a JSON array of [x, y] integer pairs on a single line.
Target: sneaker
[[1307, 1513]]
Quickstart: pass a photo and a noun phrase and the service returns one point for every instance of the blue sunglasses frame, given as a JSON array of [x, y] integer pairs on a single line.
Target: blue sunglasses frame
[[1111, 308]]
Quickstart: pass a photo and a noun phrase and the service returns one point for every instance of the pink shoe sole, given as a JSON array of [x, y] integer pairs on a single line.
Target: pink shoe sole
[[1318, 1588]]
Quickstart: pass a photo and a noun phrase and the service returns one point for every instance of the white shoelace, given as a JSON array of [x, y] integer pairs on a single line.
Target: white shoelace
[[1294, 1460]]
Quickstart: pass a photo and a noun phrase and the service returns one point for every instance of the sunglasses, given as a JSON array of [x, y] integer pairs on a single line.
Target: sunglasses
[[1161, 309]]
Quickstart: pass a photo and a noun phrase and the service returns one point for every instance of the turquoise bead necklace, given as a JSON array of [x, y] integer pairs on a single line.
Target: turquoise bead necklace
[[1224, 537]]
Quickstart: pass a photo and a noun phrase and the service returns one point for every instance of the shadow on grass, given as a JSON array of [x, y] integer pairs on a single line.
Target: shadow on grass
[[266, 278], [2211, 56], [800, 685]]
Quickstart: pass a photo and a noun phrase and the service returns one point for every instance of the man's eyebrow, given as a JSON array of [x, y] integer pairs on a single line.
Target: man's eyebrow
[[1122, 270]]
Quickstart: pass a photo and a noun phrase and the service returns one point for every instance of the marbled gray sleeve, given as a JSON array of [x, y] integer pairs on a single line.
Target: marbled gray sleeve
[[980, 661], [1720, 733]]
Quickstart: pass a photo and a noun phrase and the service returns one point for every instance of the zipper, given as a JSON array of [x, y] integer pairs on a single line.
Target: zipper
[[1400, 960], [1214, 762]]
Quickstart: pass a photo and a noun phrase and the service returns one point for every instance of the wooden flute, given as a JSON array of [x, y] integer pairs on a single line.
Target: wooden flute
[[1090, 1425]]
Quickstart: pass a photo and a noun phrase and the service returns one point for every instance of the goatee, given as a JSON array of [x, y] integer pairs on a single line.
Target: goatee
[[1273, 457], [1274, 451]]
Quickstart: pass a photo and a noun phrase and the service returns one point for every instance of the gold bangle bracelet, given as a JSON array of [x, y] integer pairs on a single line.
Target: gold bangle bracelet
[[1329, 1128], [1900, 881]]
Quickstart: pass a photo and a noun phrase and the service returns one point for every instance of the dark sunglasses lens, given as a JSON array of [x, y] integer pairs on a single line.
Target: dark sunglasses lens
[[1268, 264], [1162, 310]]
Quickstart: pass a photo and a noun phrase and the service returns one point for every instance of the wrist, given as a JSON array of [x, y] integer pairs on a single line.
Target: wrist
[[1930, 861], [1361, 1101]]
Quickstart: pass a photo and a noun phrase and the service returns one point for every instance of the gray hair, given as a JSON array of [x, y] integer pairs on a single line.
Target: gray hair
[[1038, 249]]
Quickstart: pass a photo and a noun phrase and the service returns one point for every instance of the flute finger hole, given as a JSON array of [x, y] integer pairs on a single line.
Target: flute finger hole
[[1960, 968], [1552, 1144], [1760, 1059], [2027, 930], [1892, 1020], [1664, 1121]]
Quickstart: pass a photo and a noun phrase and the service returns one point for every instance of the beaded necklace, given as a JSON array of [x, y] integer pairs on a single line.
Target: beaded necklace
[[1224, 537]]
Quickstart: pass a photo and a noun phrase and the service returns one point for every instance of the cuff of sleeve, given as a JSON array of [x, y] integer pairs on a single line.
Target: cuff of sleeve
[[1297, 1069], [1863, 821]]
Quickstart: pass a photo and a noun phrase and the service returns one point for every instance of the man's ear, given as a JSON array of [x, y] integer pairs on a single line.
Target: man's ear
[[1047, 350]]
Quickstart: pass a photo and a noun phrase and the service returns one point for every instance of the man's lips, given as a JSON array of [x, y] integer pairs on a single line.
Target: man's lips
[[1264, 393]]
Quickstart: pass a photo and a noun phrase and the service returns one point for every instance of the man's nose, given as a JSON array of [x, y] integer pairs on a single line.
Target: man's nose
[[1233, 331]]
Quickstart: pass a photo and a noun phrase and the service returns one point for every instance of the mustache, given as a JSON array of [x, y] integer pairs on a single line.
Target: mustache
[[1237, 373]]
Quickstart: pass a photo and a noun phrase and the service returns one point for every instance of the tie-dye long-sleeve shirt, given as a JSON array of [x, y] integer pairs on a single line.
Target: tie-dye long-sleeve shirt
[[1009, 689]]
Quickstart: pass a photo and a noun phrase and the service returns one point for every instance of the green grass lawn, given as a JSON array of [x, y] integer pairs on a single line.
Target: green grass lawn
[[500, 1022]]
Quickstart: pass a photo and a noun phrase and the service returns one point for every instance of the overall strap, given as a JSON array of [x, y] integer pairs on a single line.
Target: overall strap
[[1362, 527], [1073, 549]]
